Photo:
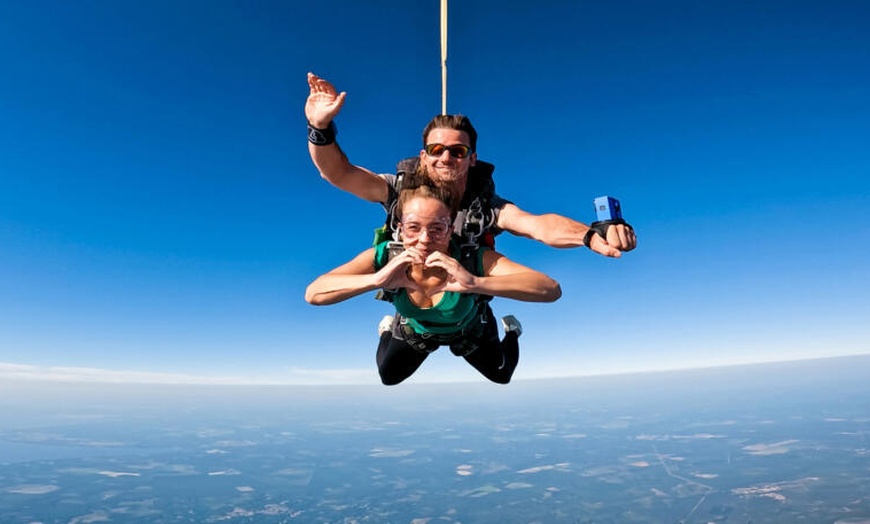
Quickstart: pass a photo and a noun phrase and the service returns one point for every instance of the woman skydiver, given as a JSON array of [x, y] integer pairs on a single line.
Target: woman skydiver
[[438, 301]]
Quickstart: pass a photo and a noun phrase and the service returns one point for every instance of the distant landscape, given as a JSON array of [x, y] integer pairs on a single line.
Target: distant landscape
[[785, 442]]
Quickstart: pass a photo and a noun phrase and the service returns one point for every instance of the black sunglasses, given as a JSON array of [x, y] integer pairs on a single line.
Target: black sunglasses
[[457, 151]]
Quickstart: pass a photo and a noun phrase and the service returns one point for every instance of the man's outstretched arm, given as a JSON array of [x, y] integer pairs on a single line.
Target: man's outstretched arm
[[321, 107], [559, 231]]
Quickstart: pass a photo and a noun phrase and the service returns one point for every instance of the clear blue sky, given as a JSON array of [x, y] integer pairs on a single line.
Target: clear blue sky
[[159, 213]]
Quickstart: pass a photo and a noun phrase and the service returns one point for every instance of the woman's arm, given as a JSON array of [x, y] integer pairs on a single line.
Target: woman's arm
[[346, 281], [358, 276], [503, 278], [506, 278]]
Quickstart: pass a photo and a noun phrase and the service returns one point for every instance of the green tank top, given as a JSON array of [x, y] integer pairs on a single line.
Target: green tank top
[[452, 313]]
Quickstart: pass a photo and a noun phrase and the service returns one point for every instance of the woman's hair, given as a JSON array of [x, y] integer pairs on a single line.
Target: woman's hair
[[417, 184]]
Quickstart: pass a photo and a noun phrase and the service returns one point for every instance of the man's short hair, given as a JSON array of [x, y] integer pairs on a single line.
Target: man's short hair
[[457, 122]]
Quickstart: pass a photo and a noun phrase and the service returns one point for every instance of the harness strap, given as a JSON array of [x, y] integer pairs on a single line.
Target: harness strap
[[463, 342], [428, 324], [476, 219]]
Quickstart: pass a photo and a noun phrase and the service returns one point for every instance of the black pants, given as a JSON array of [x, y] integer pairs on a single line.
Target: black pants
[[495, 359]]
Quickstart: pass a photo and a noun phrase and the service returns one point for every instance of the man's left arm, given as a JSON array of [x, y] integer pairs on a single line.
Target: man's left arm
[[563, 232]]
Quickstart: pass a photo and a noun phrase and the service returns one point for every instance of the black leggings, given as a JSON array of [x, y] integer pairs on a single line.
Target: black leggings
[[494, 359]]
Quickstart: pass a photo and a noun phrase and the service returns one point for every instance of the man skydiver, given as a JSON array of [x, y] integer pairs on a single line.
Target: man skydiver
[[449, 143]]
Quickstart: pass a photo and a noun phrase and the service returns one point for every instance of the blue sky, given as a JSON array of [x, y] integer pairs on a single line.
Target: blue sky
[[160, 216]]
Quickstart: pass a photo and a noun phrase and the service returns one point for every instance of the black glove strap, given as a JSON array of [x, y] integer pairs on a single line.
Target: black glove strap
[[322, 137], [601, 227]]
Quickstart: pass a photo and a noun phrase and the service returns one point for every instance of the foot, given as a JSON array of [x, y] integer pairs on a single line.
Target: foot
[[511, 325], [385, 325]]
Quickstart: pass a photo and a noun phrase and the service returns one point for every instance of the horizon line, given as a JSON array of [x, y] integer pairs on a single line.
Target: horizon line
[[311, 377]]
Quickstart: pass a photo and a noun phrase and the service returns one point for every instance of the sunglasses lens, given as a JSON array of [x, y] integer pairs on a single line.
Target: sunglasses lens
[[435, 149], [457, 151]]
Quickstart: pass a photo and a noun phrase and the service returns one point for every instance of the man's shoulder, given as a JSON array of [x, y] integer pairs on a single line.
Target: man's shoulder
[[492, 199], [392, 190], [497, 202], [481, 184]]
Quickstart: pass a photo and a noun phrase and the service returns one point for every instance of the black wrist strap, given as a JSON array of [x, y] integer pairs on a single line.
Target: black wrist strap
[[322, 137], [587, 238], [601, 228]]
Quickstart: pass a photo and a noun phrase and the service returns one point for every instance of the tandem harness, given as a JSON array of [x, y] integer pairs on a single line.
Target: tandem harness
[[463, 342], [476, 215], [469, 335], [477, 219]]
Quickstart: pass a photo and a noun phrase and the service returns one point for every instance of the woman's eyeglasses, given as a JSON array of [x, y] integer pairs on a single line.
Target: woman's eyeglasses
[[456, 151], [435, 231]]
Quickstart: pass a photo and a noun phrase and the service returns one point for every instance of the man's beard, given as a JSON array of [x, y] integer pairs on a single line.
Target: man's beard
[[449, 177]]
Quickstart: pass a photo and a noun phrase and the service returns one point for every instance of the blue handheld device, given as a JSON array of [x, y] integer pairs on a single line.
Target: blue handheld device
[[607, 208]]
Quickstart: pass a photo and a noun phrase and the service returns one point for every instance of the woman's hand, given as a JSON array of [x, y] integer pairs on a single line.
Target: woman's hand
[[458, 278], [394, 274]]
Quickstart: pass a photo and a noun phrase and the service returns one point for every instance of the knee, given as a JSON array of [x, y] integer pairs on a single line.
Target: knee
[[391, 380], [499, 378]]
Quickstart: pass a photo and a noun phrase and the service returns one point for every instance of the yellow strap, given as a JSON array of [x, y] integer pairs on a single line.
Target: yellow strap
[[443, 57]]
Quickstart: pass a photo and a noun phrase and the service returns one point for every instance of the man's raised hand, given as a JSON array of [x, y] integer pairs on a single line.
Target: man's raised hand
[[323, 102]]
